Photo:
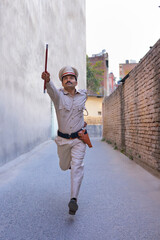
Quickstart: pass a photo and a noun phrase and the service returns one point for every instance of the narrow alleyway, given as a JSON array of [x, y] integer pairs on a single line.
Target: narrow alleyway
[[118, 200]]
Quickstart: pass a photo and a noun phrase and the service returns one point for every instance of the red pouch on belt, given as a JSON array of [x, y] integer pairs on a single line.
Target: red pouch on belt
[[83, 135]]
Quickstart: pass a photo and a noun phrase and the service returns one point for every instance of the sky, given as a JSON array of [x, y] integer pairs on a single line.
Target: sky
[[126, 29]]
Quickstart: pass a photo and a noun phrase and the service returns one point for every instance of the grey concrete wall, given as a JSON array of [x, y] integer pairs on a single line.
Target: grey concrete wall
[[25, 112], [95, 131]]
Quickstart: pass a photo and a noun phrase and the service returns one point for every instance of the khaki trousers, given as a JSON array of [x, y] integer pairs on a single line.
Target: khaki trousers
[[71, 154]]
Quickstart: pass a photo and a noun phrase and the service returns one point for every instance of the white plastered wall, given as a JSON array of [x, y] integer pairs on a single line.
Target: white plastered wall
[[25, 112]]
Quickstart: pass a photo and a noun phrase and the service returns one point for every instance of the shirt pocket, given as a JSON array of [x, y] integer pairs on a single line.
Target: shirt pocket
[[64, 110]]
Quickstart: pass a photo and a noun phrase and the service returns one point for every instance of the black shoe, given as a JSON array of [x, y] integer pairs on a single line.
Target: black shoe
[[73, 206]]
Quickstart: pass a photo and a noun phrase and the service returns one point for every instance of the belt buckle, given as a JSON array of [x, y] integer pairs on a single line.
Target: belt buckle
[[70, 136]]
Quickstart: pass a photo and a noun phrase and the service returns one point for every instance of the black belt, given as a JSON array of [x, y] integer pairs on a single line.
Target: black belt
[[66, 135]]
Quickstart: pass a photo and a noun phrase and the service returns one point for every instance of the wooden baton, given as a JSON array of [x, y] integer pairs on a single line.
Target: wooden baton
[[46, 58]]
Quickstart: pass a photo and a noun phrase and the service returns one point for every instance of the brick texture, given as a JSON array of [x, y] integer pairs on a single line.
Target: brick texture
[[131, 114]]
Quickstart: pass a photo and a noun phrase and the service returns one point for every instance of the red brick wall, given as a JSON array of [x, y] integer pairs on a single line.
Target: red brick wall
[[131, 114]]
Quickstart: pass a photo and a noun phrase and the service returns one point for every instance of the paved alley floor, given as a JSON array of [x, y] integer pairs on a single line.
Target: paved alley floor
[[119, 200]]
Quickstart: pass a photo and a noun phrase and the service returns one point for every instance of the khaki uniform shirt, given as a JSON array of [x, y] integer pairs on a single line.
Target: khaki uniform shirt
[[69, 109]]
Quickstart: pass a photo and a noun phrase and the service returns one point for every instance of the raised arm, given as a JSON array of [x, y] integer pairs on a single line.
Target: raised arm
[[51, 89]]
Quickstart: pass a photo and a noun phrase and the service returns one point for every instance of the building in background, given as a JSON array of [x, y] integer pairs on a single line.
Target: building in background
[[103, 58], [26, 118], [112, 83], [93, 115], [94, 101], [125, 68]]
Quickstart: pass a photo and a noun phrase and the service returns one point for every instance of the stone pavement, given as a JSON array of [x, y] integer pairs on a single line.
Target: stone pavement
[[119, 200]]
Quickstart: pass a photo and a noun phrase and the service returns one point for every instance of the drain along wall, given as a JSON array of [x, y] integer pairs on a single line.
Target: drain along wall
[[25, 112], [131, 114]]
